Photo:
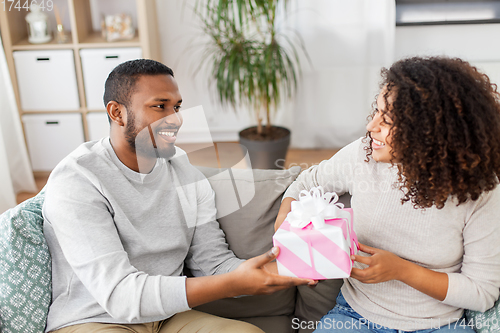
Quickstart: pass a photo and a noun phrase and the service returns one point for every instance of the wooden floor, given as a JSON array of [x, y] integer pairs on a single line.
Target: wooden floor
[[229, 154]]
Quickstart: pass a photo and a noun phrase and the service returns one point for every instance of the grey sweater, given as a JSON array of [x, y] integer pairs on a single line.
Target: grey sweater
[[119, 239], [461, 241]]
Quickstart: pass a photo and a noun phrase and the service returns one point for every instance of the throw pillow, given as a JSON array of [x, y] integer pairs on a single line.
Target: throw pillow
[[485, 322], [25, 269], [249, 229], [249, 232]]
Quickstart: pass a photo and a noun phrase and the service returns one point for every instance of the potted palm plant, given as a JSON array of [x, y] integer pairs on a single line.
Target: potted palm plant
[[253, 64]]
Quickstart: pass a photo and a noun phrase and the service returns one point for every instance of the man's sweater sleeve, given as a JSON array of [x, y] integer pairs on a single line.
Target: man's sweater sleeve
[[334, 175], [476, 287], [82, 221], [209, 253]]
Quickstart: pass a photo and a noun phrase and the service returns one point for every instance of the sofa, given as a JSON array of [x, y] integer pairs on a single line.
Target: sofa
[[249, 231], [247, 202], [25, 266]]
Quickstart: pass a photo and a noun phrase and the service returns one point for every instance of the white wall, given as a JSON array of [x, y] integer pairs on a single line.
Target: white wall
[[181, 42], [348, 42], [181, 45], [476, 43]]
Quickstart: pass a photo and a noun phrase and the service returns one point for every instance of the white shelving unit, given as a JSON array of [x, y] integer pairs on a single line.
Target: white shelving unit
[[79, 21]]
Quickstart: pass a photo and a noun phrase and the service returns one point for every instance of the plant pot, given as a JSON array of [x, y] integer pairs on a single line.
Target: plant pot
[[266, 154]]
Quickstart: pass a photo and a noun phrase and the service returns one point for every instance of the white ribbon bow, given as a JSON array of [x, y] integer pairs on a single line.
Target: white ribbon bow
[[315, 207]]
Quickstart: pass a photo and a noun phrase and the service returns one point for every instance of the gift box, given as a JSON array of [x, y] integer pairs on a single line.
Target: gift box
[[317, 238]]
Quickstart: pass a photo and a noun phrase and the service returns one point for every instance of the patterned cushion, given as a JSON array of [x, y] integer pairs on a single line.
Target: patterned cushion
[[486, 322], [25, 269]]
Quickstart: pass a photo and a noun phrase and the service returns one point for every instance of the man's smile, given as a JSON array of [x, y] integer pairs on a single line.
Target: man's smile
[[169, 135]]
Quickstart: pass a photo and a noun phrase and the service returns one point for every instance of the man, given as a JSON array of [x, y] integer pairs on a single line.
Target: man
[[123, 215]]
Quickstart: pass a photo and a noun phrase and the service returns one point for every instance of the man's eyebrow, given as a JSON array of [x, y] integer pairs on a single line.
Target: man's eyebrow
[[165, 100]]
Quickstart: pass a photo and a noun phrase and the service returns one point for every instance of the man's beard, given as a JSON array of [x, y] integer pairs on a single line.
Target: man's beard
[[142, 141]]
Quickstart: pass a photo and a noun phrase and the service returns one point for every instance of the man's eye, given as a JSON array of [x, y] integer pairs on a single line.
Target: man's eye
[[161, 106], [177, 108]]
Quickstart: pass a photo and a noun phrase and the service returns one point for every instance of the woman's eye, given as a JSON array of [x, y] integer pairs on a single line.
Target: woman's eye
[[386, 121]]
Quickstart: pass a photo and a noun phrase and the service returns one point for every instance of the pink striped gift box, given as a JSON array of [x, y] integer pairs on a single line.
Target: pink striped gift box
[[317, 253]]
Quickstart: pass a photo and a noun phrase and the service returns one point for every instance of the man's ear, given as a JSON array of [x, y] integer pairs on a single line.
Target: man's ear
[[116, 112]]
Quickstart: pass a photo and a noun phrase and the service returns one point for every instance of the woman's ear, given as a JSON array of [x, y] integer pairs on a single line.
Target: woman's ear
[[116, 113]]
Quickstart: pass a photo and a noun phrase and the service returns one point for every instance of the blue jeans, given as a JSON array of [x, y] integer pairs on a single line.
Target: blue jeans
[[342, 318]]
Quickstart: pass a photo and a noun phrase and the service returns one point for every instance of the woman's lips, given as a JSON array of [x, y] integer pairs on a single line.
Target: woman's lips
[[376, 144]]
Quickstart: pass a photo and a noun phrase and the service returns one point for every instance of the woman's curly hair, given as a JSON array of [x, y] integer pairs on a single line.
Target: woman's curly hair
[[445, 129]]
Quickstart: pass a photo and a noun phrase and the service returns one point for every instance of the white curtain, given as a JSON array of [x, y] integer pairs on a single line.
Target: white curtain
[[348, 43], [15, 170], [7, 195]]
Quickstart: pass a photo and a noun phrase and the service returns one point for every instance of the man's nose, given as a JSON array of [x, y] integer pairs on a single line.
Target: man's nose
[[174, 118]]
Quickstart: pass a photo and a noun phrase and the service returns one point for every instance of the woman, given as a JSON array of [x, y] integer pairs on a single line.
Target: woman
[[425, 199]]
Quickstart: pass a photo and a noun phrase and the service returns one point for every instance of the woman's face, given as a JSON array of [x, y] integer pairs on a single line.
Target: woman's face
[[379, 128]]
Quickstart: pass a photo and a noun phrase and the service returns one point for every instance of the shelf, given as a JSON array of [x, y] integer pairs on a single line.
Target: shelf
[[81, 110], [95, 40], [24, 45], [80, 18]]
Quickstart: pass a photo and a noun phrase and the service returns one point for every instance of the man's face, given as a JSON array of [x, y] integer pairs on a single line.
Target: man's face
[[152, 117]]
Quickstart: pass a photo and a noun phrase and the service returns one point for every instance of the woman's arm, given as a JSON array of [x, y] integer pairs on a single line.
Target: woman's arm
[[334, 175], [283, 212], [385, 266]]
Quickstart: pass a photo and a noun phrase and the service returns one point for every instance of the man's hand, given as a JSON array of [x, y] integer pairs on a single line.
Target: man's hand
[[382, 266], [256, 276], [272, 267], [259, 275]]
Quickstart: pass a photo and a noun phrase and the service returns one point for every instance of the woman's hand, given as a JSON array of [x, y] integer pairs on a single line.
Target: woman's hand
[[385, 266], [382, 266]]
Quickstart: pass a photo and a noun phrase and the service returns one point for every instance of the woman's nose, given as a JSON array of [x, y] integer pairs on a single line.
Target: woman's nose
[[374, 124]]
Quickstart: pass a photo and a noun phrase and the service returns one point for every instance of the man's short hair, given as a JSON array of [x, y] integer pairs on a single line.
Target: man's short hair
[[121, 81]]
